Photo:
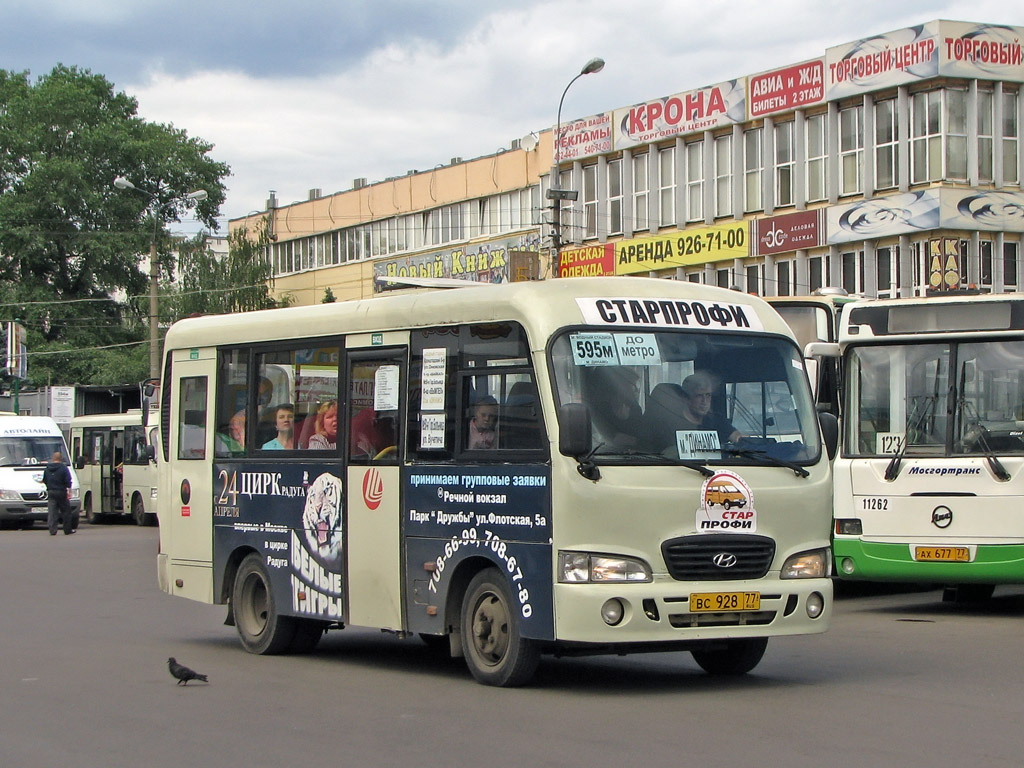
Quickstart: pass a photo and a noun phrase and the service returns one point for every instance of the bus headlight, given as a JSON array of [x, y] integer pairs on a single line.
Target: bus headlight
[[583, 567], [849, 527], [808, 565], [74, 493]]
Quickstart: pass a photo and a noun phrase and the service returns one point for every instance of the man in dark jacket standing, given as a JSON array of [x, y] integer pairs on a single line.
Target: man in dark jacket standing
[[57, 479]]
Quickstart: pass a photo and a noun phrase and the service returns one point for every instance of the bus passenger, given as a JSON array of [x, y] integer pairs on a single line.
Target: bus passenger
[[697, 391], [284, 420], [326, 428], [370, 434], [231, 442], [483, 427], [611, 395]]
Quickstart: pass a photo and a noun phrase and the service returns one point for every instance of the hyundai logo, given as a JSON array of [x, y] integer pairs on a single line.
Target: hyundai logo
[[724, 560]]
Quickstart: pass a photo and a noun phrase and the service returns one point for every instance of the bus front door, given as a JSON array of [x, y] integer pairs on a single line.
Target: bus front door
[[373, 410]]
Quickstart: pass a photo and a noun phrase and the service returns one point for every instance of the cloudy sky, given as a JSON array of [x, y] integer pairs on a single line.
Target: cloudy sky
[[313, 94]]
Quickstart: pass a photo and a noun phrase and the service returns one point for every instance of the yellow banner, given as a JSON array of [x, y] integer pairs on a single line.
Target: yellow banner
[[681, 249]]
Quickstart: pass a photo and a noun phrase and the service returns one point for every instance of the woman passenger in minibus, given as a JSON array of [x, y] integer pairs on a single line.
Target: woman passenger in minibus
[[326, 429], [284, 421]]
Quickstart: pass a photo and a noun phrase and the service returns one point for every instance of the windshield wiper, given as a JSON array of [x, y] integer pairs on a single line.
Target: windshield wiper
[[589, 470], [695, 464], [892, 471], [993, 461], [754, 453]]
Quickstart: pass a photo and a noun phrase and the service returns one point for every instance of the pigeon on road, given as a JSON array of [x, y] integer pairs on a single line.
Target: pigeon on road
[[182, 673]]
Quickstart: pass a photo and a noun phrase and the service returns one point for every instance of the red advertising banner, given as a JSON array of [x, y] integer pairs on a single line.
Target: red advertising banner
[[585, 137], [791, 232], [690, 112], [591, 261], [785, 89]]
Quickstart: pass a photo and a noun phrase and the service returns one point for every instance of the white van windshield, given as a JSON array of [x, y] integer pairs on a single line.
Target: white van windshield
[[15, 451]]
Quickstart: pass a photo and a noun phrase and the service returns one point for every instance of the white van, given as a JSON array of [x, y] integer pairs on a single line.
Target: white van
[[26, 445]]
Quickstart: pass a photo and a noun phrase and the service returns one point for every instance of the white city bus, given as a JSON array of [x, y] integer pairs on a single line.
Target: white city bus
[[930, 474], [115, 459], [815, 319], [596, 522]]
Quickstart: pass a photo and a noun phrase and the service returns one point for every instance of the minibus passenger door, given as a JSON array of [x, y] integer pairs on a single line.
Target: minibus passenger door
[[374, 407]]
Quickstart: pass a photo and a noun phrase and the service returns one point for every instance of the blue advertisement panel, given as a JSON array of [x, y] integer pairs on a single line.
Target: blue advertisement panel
[[292, 516], [501, 514]]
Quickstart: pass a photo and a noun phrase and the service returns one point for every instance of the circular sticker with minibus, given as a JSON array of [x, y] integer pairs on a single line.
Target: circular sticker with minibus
[[726, 505]]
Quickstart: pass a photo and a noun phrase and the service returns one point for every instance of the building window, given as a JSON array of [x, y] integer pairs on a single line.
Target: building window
[[887, 272], [853, 271], [641, 192], [723, 176], [614, 197], [925, 137], [851, 150], [1010, 264], [695, 181], [886, 144], [985, 264], [938, 139], [1011, 139], [783, 279], [722, 276], [816, 151], [814, 274], [784, 164], [754, 279], [985, 137], [956, 134], [753, 163], [589, 201], [667, 186]]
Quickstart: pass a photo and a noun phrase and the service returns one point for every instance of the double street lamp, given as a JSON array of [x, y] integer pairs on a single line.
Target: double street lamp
[[555, 194], [159, 205]]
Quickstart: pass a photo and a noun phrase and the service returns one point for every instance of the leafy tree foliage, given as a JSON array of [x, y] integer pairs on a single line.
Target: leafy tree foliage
[[212, 284], [71, 245]]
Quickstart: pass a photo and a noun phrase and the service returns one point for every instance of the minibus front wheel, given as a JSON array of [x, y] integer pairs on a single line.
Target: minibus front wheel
[[495, 652], [731, 657]]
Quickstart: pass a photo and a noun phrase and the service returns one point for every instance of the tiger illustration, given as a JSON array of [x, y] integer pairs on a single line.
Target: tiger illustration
[[322, 518]]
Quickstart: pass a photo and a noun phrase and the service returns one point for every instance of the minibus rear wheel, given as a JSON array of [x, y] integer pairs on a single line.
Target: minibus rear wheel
[[260, 628]]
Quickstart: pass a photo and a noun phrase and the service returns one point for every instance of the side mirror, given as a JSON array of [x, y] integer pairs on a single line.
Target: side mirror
[[147, 389], [574, 431], [147, 453], [80, 462], [830, 433]]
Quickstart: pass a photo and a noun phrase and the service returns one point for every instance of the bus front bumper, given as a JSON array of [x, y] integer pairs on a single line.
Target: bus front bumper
[[857, 560], [666, 611]]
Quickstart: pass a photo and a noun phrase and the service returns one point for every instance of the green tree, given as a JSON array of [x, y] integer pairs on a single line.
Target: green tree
[[71, 245], [211, 284]]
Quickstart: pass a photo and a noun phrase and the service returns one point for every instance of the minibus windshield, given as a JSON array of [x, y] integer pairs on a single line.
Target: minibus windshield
[[709, 397]]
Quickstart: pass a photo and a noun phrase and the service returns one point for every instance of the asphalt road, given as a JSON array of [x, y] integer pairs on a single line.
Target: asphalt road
[[901, 679]]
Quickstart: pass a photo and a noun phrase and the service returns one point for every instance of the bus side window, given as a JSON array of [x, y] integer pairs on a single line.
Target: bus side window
[[373, 428], [192, 418], [520, 415]]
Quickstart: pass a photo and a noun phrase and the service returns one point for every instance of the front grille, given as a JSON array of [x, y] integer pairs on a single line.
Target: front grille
[[691, 558], [744, 619], [33, 496]]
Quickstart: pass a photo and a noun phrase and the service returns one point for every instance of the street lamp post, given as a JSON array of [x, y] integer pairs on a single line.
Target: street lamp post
[[158, 206], [555, 194]]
